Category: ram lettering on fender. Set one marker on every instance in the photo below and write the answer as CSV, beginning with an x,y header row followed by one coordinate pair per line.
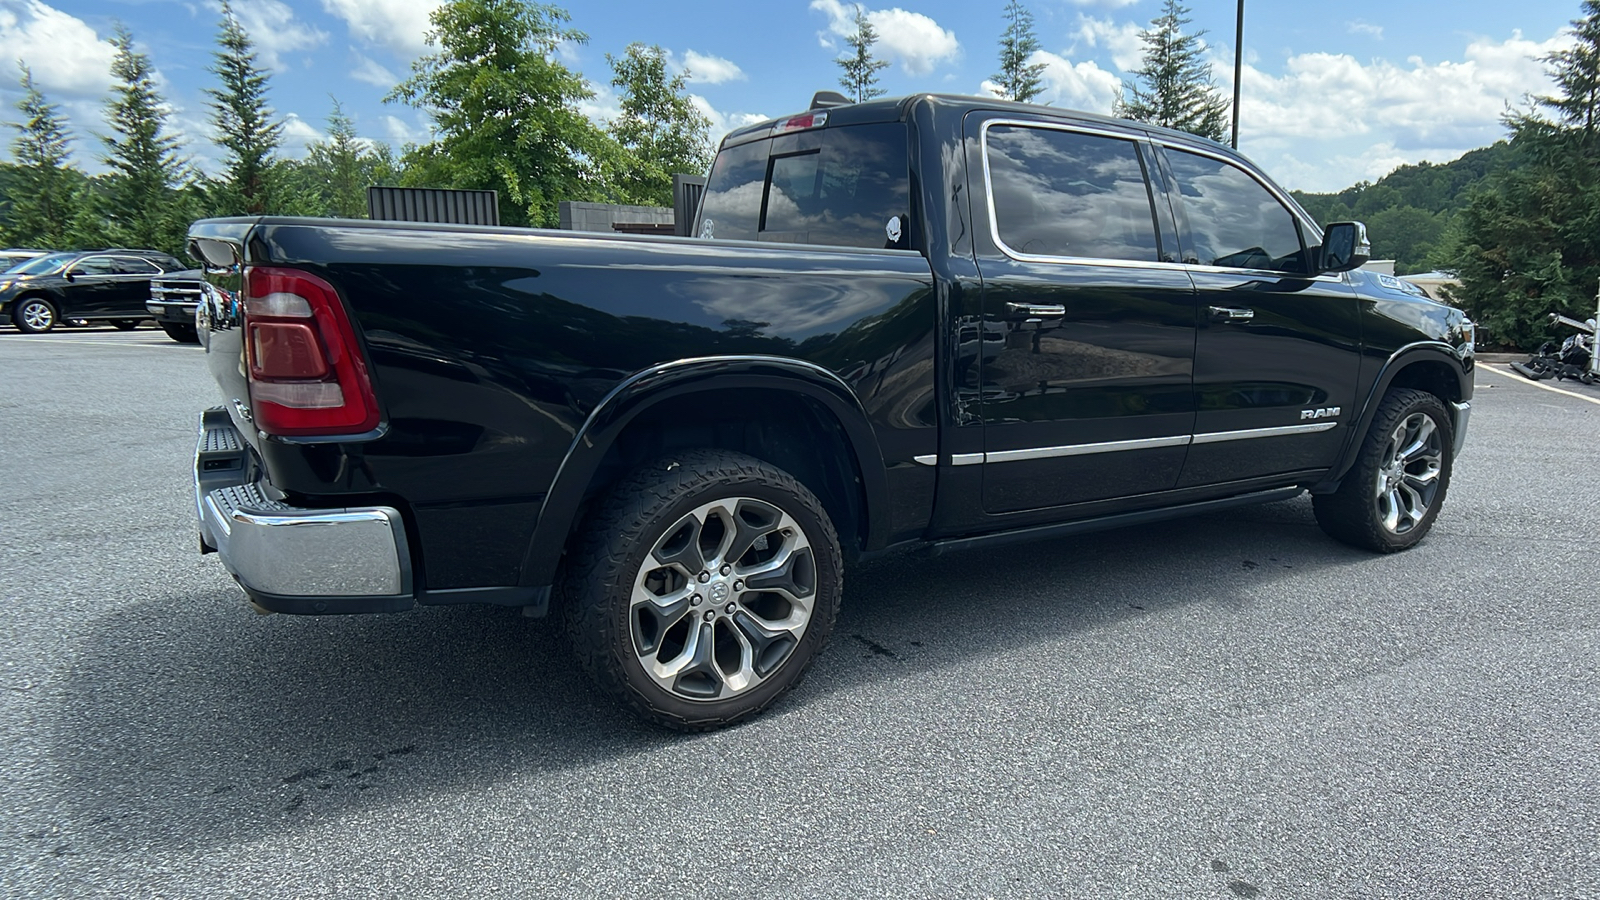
x,y
1327,412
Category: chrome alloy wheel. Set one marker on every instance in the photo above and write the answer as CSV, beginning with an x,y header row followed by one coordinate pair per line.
x,y
722,599
1408,480
37,315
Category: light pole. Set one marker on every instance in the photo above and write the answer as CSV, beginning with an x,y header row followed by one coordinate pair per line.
x,y
1238,69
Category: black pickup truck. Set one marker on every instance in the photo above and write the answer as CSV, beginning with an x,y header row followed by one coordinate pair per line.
x,y
940,322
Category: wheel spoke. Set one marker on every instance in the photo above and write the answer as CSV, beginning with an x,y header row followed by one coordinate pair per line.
x,y
1391,514
786,577
680,547
1421,442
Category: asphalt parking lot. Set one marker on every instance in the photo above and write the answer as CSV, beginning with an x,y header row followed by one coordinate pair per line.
x,y
1226,706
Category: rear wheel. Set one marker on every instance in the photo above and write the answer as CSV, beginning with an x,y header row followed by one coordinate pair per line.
x,y
1390,497
703,587
182,332
35,315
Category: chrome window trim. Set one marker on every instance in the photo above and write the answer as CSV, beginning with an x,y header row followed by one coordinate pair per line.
x,y
1307,226
1000,456
1217,437
1176,440
994,219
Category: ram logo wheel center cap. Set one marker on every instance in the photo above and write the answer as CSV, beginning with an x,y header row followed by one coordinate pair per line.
x,y
718,592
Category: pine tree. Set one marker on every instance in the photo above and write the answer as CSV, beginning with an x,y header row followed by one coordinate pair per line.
x,y
141,205
661,131
1576,72
42,202
860,76
1175,89
342,167
1018,79
244,123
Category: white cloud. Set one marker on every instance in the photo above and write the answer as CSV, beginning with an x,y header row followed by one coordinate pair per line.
x,y
400,25
401,133
1121,41
1367,118
708,69
65,54
1108,4
298,130
1360,27
721,122
368,71
912,39
273,27
1083,85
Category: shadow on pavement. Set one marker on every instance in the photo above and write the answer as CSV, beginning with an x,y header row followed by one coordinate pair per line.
x,y
189,722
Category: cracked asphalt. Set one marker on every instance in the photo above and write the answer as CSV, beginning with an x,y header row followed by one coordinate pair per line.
x,y
1231,705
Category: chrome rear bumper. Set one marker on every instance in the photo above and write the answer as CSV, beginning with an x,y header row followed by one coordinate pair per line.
x,y
288,558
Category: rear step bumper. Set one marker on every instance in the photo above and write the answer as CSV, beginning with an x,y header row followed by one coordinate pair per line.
x,y
288,558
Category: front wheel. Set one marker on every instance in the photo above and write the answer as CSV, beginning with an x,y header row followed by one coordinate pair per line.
x,y
34,315
1390,497
703,587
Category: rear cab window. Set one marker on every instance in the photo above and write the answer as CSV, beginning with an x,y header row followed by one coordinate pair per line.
x,y
843,185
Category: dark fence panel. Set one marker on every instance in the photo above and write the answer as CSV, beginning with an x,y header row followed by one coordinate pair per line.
x,y
452,207
686,193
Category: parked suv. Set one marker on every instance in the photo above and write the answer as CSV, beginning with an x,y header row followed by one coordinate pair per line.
x,y
89,285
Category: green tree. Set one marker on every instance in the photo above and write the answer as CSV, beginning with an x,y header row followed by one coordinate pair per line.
x,y
246,130
860,78
141,205
661,131
1174,87
337,171
46,186
1019,79
505,110
1528,243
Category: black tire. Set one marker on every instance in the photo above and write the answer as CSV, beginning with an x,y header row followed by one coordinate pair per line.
x,y
641,541
125,324
35,315
1390,497
182,332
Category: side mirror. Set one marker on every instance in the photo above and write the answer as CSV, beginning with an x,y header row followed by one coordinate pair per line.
x,y
70,276
1344,247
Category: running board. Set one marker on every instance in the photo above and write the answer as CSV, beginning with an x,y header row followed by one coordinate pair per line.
x,y
1526,372
1120,520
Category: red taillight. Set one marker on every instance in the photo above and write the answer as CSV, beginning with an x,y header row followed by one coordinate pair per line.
x,y
307,376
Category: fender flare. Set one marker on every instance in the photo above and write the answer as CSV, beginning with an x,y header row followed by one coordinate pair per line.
x,y
644,389
1432,351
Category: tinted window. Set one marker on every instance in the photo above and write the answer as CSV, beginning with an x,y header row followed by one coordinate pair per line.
x,y
44,265
1234,221
731,206
94,265
1058,193
843,194
842,191
127,265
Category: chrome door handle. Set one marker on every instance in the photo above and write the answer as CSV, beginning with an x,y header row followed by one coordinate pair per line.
x,y
1036,309
1232,314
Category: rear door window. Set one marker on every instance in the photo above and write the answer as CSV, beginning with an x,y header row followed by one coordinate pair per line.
x,y
1065,194
848,187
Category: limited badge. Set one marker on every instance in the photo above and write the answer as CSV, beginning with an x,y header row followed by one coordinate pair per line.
x,y
893,229
708,228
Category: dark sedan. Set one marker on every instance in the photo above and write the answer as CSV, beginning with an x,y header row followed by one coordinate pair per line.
x,y
89,285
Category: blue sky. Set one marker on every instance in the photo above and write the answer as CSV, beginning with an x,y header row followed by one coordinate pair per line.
x,y
1333,94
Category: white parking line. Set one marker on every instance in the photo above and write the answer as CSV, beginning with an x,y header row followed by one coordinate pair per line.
x,y
1538,384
